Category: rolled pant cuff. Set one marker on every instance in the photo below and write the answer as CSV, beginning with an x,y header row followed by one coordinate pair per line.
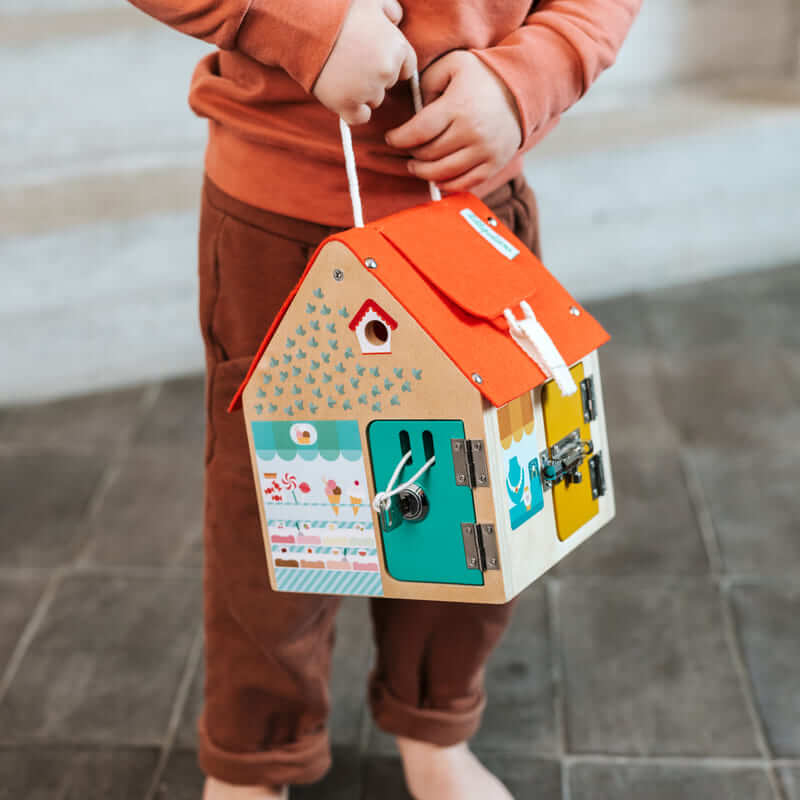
x,y
443,727
304,761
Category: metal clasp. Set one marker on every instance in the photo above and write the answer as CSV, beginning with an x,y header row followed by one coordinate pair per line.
x,y
564,459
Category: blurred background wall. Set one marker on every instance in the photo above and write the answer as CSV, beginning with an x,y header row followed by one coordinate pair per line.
x,y
682,163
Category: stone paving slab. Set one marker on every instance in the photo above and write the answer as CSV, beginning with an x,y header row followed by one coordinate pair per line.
x,y
176,416
181,779
648,671
95,422
353,656
343,781
754,505
186,736
655,531
106,662
152,510
791,782
75,774
519,718
19,596
667,782
758,308
733,396
526,777
768,617
624,318
44,498
632,398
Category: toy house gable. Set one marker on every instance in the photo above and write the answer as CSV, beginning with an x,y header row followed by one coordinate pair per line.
x,y
373,328
323,421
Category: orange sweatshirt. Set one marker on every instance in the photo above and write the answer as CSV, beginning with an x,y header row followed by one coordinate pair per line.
x,y
273,145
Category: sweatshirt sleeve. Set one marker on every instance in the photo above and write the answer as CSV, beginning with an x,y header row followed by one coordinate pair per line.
x,y
551,61
297,35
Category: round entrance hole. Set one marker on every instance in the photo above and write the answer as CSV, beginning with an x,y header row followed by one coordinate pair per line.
x,y
376,332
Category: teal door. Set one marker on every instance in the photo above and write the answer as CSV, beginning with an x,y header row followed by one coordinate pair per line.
x,y
430,550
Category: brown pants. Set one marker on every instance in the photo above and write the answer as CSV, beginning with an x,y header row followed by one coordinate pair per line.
x,y
268,653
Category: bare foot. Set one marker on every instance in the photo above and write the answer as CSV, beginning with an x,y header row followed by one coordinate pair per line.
x,y
447,773
217,790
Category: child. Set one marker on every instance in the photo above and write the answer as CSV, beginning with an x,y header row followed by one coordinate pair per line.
x,y
495,78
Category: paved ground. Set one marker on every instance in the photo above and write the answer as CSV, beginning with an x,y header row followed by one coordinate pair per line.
x,y
660,661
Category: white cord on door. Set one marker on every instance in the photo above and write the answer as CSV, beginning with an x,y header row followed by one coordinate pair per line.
x,y
382,499
350,159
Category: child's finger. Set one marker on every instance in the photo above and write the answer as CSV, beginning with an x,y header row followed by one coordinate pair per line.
x,y
357,115
469,180
377,100
421,128
435,79
409,66
451,139
393,10
448,168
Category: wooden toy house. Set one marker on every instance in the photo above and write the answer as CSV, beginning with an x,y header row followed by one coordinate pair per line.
x,y
431,345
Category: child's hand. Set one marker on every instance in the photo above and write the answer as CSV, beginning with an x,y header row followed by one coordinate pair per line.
x,y
470,130
369,57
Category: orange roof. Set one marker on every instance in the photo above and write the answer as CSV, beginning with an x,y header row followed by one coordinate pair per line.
x,y
455,274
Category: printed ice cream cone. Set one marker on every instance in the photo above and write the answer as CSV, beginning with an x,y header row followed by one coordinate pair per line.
x,y
356,494
334,494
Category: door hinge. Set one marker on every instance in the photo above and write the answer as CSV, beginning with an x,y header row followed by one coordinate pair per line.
x,y
469,462
597,475
588,398
480,546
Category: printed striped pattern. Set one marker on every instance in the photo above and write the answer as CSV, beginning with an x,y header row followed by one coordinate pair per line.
x,y
329,581
269,502
368,526
303,548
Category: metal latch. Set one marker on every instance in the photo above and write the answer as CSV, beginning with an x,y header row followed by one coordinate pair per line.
x,y
480,546
564,459
469,462
588,398
597,475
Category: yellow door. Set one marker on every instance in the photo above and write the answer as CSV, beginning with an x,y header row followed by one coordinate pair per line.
x,y
573,502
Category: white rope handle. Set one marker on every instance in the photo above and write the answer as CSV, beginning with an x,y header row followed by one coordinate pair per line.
x,y
382,499
416,93
350,159
536,343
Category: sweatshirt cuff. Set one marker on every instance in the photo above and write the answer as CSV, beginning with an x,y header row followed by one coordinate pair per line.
x,y
543,73
297,36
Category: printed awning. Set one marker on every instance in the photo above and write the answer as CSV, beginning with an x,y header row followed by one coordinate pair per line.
x,y
515,419
328,439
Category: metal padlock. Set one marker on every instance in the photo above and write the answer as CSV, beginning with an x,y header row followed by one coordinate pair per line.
x,y
414,504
